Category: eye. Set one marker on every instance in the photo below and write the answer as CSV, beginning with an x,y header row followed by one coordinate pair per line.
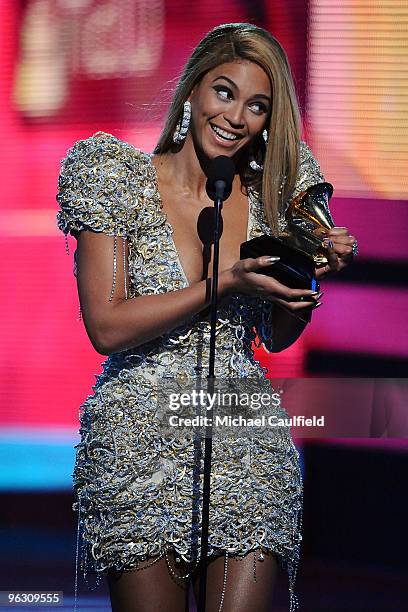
x,y
223,92
258,108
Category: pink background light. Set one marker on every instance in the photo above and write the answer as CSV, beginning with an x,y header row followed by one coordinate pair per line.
x,y
48,364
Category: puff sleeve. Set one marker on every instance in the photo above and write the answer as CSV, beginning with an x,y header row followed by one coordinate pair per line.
x,y
95,190
309,174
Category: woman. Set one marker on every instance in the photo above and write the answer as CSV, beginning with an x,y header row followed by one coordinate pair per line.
x,y
136,490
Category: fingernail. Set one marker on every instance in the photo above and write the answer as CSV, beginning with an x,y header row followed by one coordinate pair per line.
x,y
318,304
272,259
315,293
319,295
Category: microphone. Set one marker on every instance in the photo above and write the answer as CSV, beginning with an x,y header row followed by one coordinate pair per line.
x,y
220,173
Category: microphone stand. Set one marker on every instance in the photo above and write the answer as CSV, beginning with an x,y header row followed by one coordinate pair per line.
x,y
210,389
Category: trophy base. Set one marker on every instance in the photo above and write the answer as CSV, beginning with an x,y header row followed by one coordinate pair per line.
x,y
294,269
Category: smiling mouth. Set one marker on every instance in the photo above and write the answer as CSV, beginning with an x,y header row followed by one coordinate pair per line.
x,y
224,134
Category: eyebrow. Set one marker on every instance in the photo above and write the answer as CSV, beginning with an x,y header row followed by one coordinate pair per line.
x,y
259,95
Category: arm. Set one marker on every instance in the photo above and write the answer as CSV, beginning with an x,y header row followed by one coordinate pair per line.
x,y
124,323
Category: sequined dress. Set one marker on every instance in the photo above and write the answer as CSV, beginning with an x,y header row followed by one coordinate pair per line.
x,y
134,487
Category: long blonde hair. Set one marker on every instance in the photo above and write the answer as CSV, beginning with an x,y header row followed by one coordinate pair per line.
x,y
243,41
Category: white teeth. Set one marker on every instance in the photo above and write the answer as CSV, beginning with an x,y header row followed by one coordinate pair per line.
x,y
223,133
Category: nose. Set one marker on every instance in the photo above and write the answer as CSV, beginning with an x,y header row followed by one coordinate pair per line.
x,y
234,116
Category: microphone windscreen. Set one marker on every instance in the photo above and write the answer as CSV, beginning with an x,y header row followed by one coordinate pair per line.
x,y
221,168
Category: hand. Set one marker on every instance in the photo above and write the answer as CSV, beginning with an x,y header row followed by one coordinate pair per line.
x,y
339,254
246,277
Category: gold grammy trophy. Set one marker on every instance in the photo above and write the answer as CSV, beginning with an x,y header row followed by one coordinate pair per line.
x,y
308,218
300,245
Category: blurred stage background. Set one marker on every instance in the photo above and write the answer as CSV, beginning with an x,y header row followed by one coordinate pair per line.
x,y
69,68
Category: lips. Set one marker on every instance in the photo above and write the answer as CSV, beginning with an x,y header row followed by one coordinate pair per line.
x,y
223,137
224,133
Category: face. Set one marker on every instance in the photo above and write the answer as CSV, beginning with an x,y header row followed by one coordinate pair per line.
x,y
230,107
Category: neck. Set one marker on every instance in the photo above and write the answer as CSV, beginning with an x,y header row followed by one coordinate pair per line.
x,y
186,167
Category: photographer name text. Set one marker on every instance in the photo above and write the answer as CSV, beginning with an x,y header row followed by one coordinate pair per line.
x,y
241,421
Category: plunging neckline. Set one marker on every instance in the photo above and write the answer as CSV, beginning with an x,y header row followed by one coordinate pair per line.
x,y
170,228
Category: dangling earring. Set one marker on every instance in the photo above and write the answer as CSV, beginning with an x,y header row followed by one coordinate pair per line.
x,y
265,137
253,163
183,125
